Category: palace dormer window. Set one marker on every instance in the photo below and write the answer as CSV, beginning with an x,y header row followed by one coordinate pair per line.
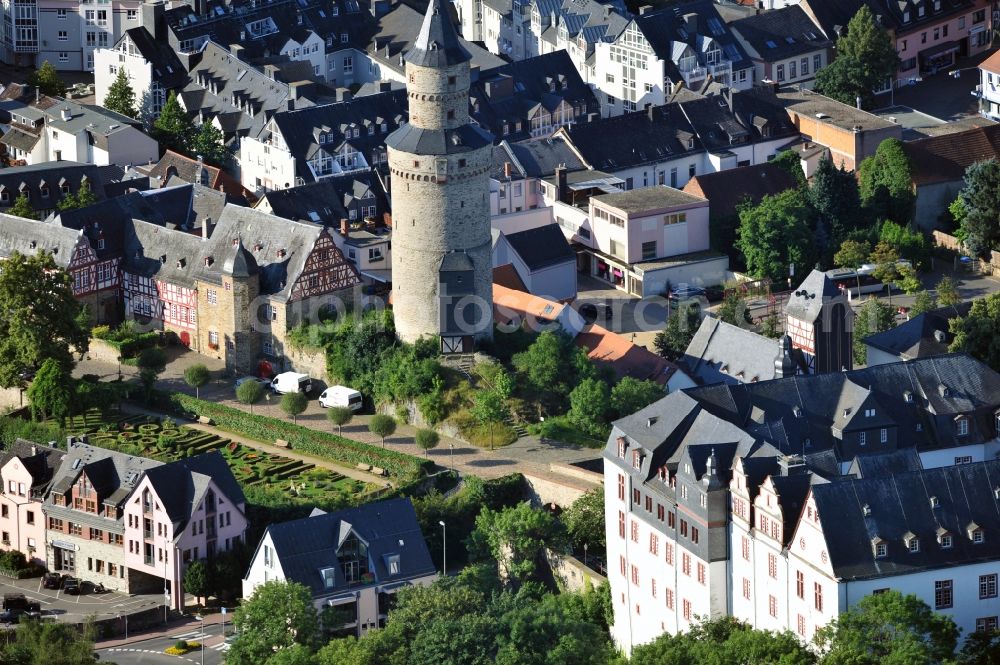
x,y
636,459
912,542
879,548
622,445
976,534
962,426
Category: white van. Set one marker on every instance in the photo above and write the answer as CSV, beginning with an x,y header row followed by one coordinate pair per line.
x,y
291,382
340,396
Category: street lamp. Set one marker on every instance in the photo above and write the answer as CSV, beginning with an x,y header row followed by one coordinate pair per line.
x,y
202,620
444,548
452,447
585,554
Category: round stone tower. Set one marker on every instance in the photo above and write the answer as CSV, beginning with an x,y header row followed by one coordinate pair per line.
x,y
442,277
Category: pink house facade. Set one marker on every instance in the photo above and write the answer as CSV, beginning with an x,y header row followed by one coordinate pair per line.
x,y
162,534
25,473
930,37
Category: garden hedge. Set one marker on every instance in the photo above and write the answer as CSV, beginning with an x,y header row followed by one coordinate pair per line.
x,y
303,439
131,347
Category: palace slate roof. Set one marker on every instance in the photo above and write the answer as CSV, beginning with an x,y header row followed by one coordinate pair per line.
x,y
167,68
40,461
29,237
781,33
536,158
55,175
437,44
806,301
924,335
723,353
390,529
329,200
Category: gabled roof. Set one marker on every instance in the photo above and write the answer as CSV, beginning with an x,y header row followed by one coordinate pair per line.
x,y
113,474
175,166
624,357
167,68
945,158
899,508
924,335
541,247
40,461
781,33
307,546
723,353
30,237
326,201
182,485
728,188
807,300
57,174
507,277
535,159
437,44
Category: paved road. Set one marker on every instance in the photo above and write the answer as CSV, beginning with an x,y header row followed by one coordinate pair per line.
x,y
80,608
151,651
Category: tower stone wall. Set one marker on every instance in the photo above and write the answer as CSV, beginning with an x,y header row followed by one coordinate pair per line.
x,y
439,168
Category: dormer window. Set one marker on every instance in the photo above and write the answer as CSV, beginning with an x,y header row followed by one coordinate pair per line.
x,y
963,426
879,548
908,396
976,534
866,510
912,542
920,10
944,538
935,503
869,413
622,445
797,411
636,459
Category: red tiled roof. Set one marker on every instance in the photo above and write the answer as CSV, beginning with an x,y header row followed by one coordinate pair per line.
x,y
992,63
727,189
624,357
945,158
507,277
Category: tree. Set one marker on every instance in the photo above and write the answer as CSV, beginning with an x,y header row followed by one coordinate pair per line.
x,y
22,208
976,333
584,520
427,439
734,310
121,96
908,280
151,363
672,341
51,392
196,376
488,409
982,647
294,404
41,318
630,394
888,628
723,641
196,579
84,197
980,201
382,426
339,416
277,616
947,292
790,161
589,407
852,254
866,59
47,80
516,538
873,317
776,234
249,393
886,184
553,630
209,143
770,326
886,260
544,364
924,302
49,643
173,128
834,196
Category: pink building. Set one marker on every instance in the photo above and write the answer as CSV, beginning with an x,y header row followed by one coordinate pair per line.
x,y
182,512
931,35
26,471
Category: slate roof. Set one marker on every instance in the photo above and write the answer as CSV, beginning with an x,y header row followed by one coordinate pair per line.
x,y
397,33
29,237
173,165
306,546
541,247
327,201
40,461
723,353
830,15
806,301
919,337
183,484
511,93
535,159
419,141
167,68
945,158
726,189
113,474
886,464
781,33
301,129
437,44
55,175
590,20
855,512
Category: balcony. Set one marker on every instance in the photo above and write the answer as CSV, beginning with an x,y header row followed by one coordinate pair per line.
x,y
147,534
148,560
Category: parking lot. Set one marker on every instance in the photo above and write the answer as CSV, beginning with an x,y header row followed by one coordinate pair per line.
x,y
62,607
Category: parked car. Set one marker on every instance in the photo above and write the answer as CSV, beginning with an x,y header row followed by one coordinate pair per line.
x,y
291,382
11,616
71,586
52,580
18,601
264,383
340,396
685,291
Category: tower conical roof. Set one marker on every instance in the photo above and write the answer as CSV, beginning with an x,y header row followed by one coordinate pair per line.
x,y
437,43
241,263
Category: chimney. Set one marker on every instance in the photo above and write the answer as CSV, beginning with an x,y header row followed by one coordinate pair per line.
x,y
200,170
236,50
651,112
152,19
592,117
506,170
205,230
561,191
344,95
291,104
644,9
791,465
691,23
345,228
67,115
34,450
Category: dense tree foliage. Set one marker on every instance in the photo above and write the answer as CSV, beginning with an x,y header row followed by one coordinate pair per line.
x,y
588,407
83,197
886,184
776,234
866,60
46,78
48,643
947,292
197,376
249,393
516,538
552,366
630,394
979,202
173,129
672,341
121,96
852,254
382,426
584,520
874,316
976,333
278,616
42,320
209,143
293,404
723,641
835,197
51,392
339,416
22,208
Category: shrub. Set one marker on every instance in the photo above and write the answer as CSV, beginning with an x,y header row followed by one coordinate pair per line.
x,y
303,439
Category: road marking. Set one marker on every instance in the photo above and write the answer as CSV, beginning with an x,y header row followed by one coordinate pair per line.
x,y
190,635
221,647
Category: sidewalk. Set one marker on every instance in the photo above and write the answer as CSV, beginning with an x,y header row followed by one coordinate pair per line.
x,y
184,622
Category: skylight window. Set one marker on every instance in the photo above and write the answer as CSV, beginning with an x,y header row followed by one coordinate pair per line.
x,y
771,44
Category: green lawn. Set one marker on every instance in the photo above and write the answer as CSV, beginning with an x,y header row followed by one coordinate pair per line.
x,y
167,442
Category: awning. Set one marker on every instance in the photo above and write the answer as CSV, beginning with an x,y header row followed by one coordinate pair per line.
x,y
384,276
387,588
943,48
62,544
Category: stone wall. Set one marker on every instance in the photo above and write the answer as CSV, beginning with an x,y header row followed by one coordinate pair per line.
x,y
554,490
308,361
571,573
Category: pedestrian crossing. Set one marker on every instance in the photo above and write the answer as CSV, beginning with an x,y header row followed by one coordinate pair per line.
x,y
200,636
